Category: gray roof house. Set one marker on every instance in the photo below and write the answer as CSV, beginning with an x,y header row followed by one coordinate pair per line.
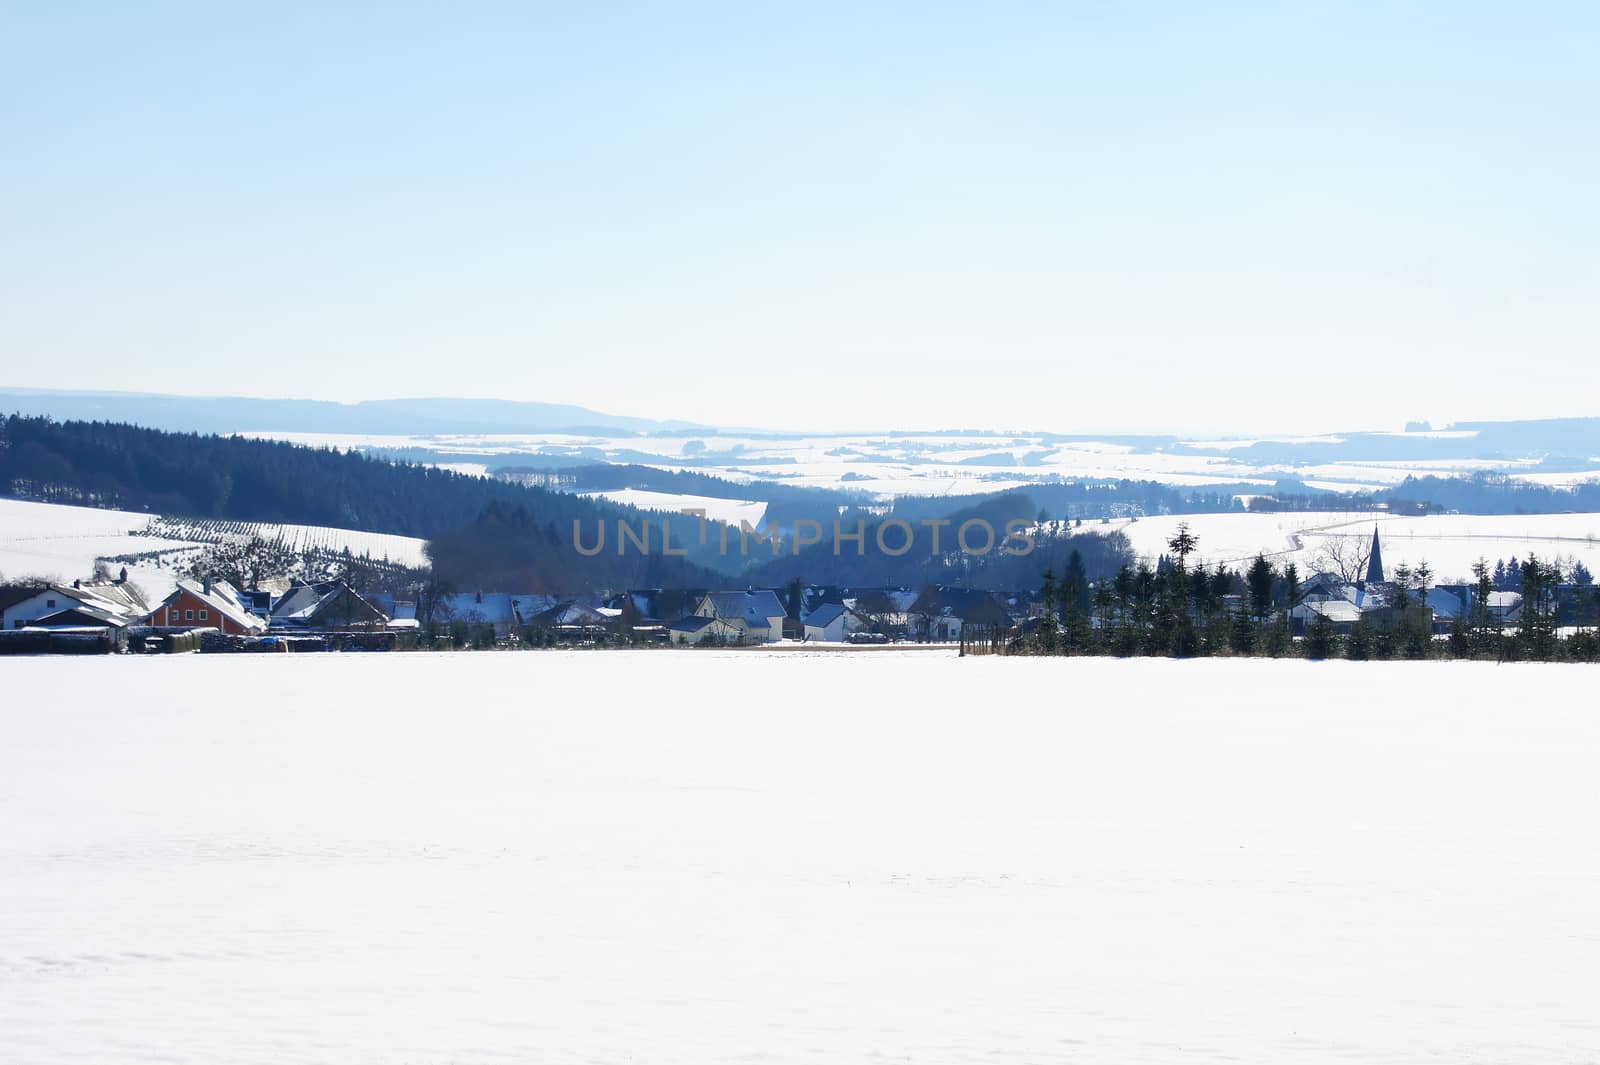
x,y
757,614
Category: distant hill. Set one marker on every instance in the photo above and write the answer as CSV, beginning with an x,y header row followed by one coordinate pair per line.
x,y
190,414
239,478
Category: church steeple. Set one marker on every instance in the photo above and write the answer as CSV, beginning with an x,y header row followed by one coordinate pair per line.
x,y
1375,561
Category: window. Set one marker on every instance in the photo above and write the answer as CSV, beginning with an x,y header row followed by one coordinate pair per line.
x,y
173,615
188,615
49,604
202,615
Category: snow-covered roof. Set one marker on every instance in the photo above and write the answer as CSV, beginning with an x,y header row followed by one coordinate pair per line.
x,y
301,604
222,597
527,606
1336,611
746,606
495,608
825,615
74,616
1444,603
573,613
121,598
111,603
298,602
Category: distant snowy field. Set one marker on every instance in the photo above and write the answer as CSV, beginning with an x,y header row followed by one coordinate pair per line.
x,y
63,543
739,857
732,511
1448,543
936,464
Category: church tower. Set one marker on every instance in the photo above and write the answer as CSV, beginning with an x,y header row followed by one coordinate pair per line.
x,y
1375,561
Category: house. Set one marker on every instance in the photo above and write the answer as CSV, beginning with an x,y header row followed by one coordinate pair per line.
x,y
576,616
939,613
1449,603
207,605
1322,586
101,603
1505,608
326,606
697,629
1342,614
527,607
496,609
832,622
757,614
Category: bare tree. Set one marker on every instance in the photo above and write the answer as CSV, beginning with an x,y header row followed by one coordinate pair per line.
x,y
1345,556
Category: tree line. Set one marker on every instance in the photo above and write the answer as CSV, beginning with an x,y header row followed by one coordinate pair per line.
x,y
1178,610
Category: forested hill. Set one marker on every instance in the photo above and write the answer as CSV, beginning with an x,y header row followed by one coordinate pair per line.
x,y
132,468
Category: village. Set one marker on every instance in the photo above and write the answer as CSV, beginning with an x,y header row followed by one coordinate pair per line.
x,y
111,614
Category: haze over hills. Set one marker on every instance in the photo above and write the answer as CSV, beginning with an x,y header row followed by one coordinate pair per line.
x,y
234,414
444,431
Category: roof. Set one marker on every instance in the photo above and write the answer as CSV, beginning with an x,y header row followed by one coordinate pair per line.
x,y
109,602
10,597
297,602
972,604
120,594
825,615
746,606
1337,611
222,597
572,613
1444,603
301,604
495,608
692,623
80,615
527,606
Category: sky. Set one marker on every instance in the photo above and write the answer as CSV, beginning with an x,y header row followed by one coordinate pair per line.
x,y
1071,217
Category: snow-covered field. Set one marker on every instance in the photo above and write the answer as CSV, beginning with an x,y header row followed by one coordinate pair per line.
x,y
740,857
887,465
63,543
1448,543
732,511
45,540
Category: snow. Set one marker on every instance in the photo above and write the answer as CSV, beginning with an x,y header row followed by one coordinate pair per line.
x,y
713,858
50,541
731,511
1449,543
889,465
402,550
64,542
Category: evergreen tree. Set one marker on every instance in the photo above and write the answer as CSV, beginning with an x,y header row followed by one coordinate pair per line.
x,y
1260,579
1183,543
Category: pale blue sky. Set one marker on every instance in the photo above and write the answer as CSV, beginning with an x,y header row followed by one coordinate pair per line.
x,y
1056,216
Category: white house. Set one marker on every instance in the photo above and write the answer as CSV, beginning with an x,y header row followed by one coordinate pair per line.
x,y
1505,608
479,608
695,629
108,603
1340,613
758,615
832,622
